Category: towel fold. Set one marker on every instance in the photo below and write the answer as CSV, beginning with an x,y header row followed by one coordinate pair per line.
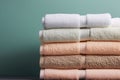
x,y
80,62
76,35
52,21
74,74
94,48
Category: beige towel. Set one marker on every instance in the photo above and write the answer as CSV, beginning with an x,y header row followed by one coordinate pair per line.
x,y
63,62
80,62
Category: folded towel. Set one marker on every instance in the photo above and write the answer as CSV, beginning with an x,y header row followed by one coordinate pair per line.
x,y
102,74
54,74
115,22
51,21
74,74
64,35
105,34
76,35
61,21
60,49
60,35
63,62
98,20
97,48
80,62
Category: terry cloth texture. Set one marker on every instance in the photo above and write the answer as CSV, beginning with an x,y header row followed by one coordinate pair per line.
x,y
105,34
54,74
60,35
76,35
80,62
102,62
94,48
74,74
101,48
60,49
62,62
103,74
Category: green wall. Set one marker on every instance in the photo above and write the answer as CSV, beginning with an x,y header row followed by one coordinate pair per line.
x,y
20,22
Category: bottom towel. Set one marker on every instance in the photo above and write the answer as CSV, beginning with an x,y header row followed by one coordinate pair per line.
x,y
90,74
80,62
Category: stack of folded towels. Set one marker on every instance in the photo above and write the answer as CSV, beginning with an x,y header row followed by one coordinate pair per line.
x,y
78,46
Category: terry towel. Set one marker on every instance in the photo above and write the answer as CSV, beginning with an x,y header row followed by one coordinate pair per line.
x,y
105,34
51,21
63,35
80,62
115,22
76,35
96,48
54,74
62,62
74,74
102,74
60,35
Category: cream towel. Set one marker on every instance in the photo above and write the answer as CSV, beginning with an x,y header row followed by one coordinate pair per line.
x,y
76,35
105,34
60,35
64,35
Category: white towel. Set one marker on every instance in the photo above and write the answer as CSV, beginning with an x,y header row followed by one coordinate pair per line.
x,y
61,21
54,21
115,22
98,20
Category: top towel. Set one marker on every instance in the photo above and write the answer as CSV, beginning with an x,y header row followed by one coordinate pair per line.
x,y
51,21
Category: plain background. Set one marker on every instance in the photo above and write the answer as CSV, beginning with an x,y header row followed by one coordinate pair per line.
x,y
20,22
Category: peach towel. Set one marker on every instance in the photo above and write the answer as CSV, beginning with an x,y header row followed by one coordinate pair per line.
x,y
74,74
103,74
105,48
80,62
54,74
